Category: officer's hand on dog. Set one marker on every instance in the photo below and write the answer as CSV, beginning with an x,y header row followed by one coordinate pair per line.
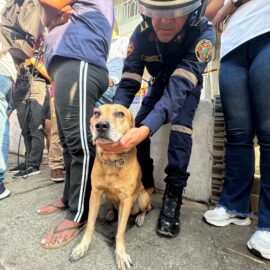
x,y
130,140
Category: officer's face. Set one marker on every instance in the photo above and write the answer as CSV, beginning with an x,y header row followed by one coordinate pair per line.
x,y
166,29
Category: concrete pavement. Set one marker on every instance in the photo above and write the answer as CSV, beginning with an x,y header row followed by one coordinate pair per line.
x,y
198,247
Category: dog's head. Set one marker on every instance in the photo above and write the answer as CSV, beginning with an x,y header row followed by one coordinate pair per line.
x,y
110,123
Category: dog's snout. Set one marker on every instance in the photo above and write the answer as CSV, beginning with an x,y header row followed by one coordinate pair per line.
x,y
102,126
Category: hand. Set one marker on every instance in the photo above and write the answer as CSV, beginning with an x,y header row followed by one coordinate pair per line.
x,y
222,14
27,62
111,83
57,4
129,141
62,18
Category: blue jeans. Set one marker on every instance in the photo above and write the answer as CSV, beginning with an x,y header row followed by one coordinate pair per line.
x,y
245,96
5,87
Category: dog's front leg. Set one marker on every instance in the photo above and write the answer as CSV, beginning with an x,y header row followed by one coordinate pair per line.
x,y
123,260
80,250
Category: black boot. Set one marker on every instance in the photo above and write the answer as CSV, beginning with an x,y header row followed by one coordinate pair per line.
x,y
169,218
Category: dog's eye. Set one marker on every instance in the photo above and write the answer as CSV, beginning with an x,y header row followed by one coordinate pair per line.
x,y
119,114
96,114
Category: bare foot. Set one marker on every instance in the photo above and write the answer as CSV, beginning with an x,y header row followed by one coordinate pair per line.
x,y
64,232
56,206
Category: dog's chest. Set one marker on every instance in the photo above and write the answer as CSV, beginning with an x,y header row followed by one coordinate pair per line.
x,y
116,188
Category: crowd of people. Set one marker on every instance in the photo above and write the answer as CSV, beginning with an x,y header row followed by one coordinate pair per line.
x,y
87,68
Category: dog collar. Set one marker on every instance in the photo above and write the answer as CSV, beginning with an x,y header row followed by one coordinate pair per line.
x,y
117,162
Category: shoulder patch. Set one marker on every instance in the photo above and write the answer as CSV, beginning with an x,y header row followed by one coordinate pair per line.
x,y
130,48
203,50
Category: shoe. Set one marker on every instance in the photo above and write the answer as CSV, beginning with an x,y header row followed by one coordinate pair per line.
x,y
57,175
220,218
169,218
27,172
3,191
20,167
259,244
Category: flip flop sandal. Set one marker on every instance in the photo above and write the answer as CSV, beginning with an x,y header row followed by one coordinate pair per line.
x,y
55,207
65,242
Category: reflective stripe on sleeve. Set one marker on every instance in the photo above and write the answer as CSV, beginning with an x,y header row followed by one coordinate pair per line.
x,y
133,76
182,129
187,74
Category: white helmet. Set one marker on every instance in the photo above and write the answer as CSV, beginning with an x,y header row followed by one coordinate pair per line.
x,y
169,8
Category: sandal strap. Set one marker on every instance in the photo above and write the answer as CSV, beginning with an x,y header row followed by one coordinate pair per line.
x,y
57,206
56,230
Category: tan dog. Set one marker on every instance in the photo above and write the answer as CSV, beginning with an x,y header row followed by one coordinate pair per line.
x,y
117,176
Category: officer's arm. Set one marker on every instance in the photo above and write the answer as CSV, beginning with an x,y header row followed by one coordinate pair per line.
x,y
186,79
132,74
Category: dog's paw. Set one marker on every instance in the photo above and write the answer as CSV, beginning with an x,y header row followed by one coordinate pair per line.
x,y
78,252
123,260
140,219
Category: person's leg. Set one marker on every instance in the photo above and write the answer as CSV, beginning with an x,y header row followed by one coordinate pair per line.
x,y
5,87
260,99
35,112
48,123
22,109
61,203
259,80
37,121
179,151
239,159
20,96
56,160
4,144
234,204
74,107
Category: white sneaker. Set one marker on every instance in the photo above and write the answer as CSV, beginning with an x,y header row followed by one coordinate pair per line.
x,y
259,243
220,218
5,193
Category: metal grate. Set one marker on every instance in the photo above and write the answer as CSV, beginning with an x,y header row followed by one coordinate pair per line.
x,y
126,11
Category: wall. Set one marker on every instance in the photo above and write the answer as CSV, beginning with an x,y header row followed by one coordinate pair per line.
x,y
200,166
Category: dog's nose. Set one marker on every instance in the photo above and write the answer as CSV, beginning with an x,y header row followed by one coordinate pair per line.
x,y
102,126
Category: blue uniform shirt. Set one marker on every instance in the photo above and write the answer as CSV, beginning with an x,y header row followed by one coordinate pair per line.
x,y
86,36
183,60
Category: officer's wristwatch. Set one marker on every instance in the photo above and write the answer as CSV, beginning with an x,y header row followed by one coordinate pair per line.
x,y
237,3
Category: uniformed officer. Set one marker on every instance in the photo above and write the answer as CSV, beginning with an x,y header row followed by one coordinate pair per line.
x,y
174,42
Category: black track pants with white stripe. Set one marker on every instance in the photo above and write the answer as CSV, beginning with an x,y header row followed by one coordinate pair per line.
x,y
77,86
